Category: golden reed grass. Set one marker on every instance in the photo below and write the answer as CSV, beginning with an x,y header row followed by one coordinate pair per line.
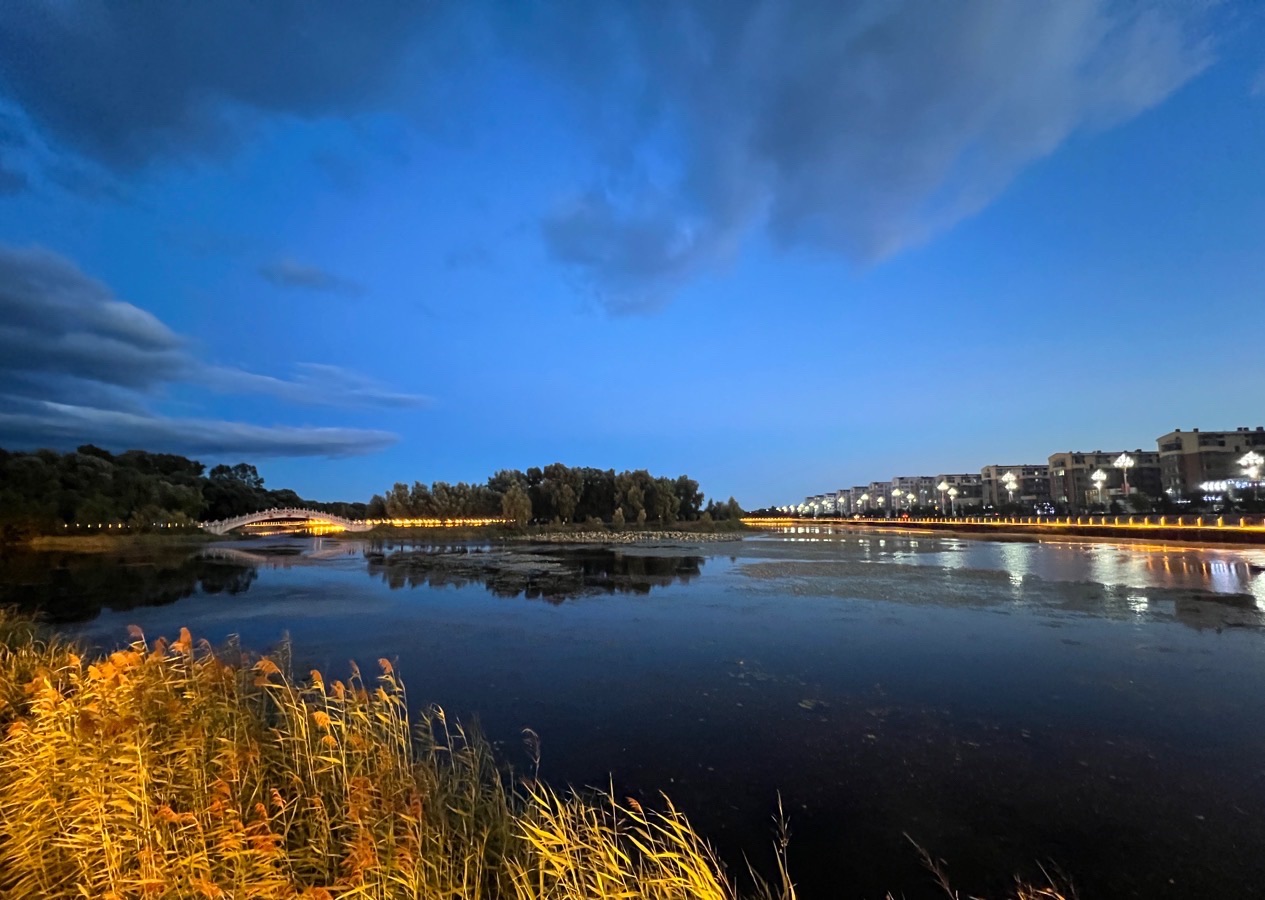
x,y
169,770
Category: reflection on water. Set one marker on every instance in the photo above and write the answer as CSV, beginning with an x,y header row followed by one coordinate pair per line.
x,y
73,587
69,587
553,575
1003,703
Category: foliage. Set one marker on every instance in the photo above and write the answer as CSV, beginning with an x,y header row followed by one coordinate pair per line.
x,y
42,491
556,492
169,770
516,505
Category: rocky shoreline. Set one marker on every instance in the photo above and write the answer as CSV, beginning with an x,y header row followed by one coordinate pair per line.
x,y
634,537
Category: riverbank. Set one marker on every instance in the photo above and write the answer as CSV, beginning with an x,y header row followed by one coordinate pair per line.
x,y
115,543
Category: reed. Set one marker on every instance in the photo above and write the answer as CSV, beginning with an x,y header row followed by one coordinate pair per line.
x,y
172,770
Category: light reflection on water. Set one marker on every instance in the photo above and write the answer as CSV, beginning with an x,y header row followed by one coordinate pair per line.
x,y
1221,570
1004,702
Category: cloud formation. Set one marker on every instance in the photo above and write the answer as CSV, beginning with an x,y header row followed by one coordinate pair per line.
x,y
78,364
291,274
127,83
59,425
863,129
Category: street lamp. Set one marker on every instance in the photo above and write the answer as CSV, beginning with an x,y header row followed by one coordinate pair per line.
x,y
1124,462
953,496
1251,463
942,487
897,493
1010,481
1099,478
865,502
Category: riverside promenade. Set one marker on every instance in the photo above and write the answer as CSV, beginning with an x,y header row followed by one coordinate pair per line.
x,y
1248,530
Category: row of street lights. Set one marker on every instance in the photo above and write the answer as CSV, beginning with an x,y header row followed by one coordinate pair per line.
x,y
1252,464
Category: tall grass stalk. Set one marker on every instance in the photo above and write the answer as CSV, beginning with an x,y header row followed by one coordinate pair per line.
x,y
171,770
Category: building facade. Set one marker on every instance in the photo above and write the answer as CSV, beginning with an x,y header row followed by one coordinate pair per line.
x,y
1072,483
1189,458
970,493
880,497
915,491
1032,485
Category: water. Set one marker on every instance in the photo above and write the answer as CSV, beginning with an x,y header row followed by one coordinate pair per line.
x,y
1096,708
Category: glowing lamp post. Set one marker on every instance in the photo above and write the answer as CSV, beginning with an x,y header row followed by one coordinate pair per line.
x,y
865,502
1099,478
953,506
942,487
1252,463
1124,462
1010,481
897,493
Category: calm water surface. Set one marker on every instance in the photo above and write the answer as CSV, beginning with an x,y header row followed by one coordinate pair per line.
x,y
1096,708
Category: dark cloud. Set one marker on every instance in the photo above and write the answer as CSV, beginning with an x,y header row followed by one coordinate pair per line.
x,y
127,83
78,364
291,274
55,320
860,128
62,426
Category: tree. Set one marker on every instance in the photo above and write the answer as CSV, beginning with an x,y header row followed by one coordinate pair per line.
x,y
566,503
242,473
516,505
664,501
689,498
398,504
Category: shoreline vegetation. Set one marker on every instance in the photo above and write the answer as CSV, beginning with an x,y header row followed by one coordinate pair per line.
x,y
170,769
92,491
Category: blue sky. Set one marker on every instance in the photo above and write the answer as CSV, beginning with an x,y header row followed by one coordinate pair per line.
x,y
782,248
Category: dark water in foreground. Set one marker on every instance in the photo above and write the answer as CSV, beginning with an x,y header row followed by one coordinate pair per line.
x,y
1096,708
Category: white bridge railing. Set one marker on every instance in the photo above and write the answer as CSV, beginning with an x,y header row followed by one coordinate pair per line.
x,y
224,526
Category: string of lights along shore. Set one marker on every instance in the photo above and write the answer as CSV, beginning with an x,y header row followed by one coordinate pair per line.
x,y
1188,471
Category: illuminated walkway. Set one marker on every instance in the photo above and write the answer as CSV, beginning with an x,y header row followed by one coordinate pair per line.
x,y
1209,529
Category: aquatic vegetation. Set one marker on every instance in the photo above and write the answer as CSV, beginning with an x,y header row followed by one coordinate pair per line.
x,y
174,770
169,769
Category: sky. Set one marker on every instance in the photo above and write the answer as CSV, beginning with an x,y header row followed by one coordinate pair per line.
x,y
780,247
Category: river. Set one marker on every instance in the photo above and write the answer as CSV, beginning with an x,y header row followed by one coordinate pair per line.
x,y
1095,708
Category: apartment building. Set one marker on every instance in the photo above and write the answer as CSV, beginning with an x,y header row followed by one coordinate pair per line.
x,y
1073,487
1189,458
880,495
915,490
970,492
1032,485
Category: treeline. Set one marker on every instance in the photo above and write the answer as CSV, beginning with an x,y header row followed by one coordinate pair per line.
x,y
558,493
44,490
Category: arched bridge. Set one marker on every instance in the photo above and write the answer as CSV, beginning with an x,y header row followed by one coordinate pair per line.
x,y
287,514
